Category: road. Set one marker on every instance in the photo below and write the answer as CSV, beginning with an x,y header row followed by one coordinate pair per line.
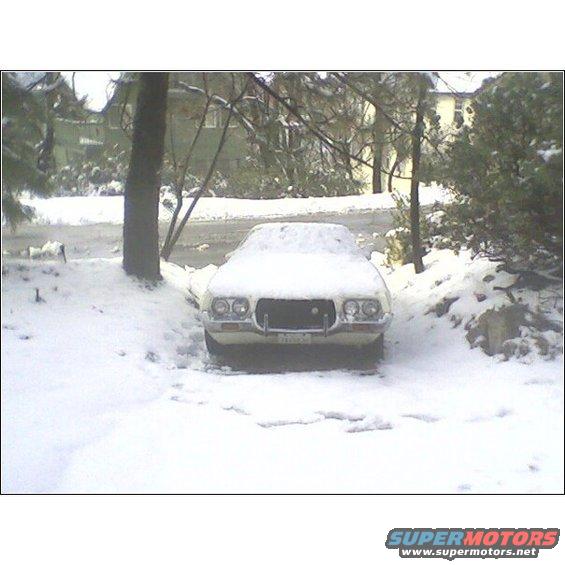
x,y
201,242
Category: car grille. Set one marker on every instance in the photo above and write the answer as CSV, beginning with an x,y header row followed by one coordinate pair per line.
x,y
295,314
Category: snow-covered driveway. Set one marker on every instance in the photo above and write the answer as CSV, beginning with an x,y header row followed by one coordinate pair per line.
x,y
106,387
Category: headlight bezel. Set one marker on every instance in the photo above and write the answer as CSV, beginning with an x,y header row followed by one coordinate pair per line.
x,y
231,312
373,305
240,301
356,307
216,302
362,312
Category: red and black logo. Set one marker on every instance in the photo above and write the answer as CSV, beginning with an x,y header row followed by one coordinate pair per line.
x,y
450,543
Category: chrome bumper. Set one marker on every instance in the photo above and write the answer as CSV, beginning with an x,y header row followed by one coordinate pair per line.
x,y
339,327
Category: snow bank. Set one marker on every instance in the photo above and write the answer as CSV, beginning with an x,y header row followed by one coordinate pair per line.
x,y
461,288
77,210
199,279
106,387
99,343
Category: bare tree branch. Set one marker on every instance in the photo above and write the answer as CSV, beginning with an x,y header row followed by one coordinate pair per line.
x,y
166,251
180,180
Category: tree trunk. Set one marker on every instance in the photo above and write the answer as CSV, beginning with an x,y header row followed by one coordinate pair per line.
x,y
141,201
377,152
415,181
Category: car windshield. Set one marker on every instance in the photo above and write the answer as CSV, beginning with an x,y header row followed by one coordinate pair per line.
x,y
299,238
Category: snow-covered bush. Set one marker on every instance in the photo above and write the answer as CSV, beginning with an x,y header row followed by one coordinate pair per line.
x,y
104,176
505,172
398,240
253,181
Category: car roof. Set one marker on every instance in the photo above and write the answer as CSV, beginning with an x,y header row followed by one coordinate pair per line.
x,y
299,237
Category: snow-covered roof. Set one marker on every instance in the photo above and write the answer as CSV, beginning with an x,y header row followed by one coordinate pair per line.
x,y
462,82
298,237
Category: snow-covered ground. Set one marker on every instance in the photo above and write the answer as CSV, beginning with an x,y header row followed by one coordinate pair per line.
x,y
78,210
106,387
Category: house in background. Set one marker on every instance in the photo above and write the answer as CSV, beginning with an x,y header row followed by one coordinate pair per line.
x,y
77,133
452,109
110,130
78,140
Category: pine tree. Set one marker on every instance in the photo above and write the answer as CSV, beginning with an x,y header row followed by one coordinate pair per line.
x,y
506,172
31,102
22,137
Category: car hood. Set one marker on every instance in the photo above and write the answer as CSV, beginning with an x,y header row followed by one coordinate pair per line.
x,y
296,276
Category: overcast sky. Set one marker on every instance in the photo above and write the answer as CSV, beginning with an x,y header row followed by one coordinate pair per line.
x,y
97,86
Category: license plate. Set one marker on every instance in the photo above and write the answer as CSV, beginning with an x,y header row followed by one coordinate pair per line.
x,y
294,338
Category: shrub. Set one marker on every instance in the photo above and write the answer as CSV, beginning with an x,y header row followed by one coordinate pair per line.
x,y
398,240
251,180
506,173
105,176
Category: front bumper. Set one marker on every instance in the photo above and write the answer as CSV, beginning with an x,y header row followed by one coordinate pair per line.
x,y
247,331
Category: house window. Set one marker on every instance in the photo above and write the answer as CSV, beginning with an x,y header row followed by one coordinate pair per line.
x,y
233,122
458,113
211,120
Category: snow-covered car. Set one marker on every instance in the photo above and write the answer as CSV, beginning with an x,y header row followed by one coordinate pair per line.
x,y
297,283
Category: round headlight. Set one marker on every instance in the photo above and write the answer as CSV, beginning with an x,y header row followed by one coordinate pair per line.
x,y
220,306
240,306
351,307
371,308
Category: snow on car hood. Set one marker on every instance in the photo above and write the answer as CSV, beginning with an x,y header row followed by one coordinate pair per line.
x,y
297,275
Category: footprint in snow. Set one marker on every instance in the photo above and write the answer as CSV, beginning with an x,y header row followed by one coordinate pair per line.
x,y
464,487
331,415
429,419
501,413
185,400
236,409
539,382
370,426
277,423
